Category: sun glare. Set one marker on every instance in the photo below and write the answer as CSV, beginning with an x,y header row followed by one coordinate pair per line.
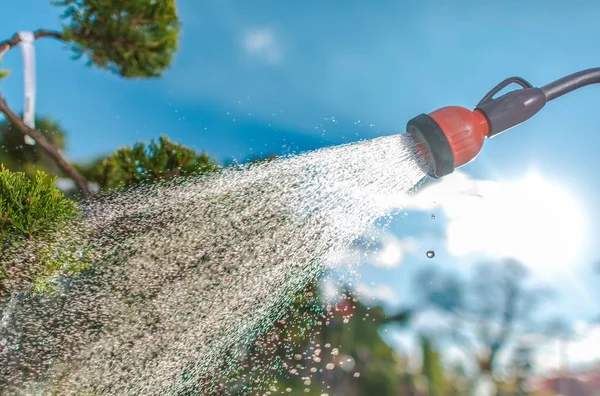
x,y
532,220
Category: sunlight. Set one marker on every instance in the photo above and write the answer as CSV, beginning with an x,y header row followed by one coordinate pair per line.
x,y
532,220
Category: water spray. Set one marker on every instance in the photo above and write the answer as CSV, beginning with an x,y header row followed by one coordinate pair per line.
x,y
186,274
452,136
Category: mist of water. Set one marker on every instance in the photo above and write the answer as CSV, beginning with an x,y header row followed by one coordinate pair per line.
x,y
187,273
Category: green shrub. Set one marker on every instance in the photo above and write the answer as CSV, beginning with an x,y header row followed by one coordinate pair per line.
x,y
30,207
142,163
40,232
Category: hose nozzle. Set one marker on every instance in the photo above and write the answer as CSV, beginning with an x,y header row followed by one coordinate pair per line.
x,y
453,136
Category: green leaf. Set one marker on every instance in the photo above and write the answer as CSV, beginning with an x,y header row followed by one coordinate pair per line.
x,y
4,73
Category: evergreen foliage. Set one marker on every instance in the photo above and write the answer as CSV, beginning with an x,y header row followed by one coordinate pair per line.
x,y
159,160
29,207
33,214
133,38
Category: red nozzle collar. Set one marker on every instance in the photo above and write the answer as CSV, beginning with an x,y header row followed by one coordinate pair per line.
x,y
464,129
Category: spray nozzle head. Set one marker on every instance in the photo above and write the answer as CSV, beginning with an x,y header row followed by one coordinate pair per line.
x,y
447,138
453,136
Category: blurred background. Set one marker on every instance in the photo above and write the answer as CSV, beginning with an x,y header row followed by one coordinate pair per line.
x,y
488,281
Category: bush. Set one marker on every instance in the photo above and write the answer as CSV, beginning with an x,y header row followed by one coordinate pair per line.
x,y
38,232
30,207
139,164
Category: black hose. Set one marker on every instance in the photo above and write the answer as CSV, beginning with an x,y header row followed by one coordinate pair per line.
x,y
570,83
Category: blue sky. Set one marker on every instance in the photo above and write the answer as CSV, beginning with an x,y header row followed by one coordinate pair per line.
x,y
262,77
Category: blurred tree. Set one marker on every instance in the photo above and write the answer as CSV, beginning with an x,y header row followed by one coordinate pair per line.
x,y
432,367
141,163
524,366
378,364
338,347
20,157
459,382
408,387
486,311
133,39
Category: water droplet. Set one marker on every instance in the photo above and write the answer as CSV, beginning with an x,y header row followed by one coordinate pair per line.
x,y
430,254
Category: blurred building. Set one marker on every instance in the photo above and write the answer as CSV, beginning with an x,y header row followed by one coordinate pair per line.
x,y
575,383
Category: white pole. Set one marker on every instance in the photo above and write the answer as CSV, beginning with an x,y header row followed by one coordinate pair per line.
x,y
27,39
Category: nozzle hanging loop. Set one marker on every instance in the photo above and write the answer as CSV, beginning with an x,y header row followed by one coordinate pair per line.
x,y
516,80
